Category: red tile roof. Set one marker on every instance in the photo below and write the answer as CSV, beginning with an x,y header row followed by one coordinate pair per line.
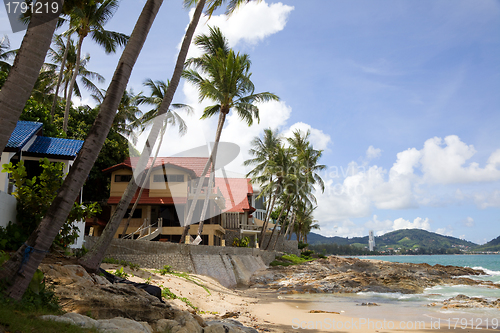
x,y
193,164
236,192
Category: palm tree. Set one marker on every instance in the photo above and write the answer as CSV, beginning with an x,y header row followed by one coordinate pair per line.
x,y
29,256
24,72
222,76
90,20
66,53
158,89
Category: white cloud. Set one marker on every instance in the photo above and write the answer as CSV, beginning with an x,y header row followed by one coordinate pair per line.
x,y
318,138
444,162
469,222
372,153
249,24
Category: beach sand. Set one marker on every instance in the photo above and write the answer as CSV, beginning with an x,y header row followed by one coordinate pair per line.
x,y
268,311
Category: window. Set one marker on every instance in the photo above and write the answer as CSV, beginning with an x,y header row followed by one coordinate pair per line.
x,y
137,213
168,178
123,178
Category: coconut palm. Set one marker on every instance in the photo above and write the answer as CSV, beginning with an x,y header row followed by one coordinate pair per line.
x,y
90,20
222,76
64,54
24,72
29,256
158,89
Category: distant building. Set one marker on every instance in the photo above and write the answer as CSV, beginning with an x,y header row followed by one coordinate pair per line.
x,y
371,241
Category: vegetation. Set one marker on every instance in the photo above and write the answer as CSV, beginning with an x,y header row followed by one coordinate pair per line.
x,y
168,270
290,259
287,176
121,262
405,241
34,197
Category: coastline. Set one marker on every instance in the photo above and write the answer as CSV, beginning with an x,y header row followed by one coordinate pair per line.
x,y
267,310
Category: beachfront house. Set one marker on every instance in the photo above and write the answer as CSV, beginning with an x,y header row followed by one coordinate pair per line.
x,y
162,207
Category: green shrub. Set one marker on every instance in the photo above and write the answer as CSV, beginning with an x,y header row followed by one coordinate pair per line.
x,y
121,273
244,242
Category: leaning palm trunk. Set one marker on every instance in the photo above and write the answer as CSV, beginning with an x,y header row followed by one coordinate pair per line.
x,y
290,227
213,154
143,183
19,269
24,73
72,83
277,222
282,227
266,222
93,258
59,78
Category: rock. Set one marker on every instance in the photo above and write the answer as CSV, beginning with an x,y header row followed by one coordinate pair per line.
x,y
78,292
122,325
321,311
227,326
351,275
463,301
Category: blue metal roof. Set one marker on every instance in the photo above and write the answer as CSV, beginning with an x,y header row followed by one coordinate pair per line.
x,y
23,132
55,146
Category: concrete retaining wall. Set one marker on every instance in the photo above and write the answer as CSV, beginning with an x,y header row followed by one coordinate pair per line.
x,y
231,266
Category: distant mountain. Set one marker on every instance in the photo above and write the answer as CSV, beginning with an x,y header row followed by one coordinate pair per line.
x,y
492,245
399,239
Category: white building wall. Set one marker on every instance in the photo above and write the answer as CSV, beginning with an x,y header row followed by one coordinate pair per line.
x,y
7,209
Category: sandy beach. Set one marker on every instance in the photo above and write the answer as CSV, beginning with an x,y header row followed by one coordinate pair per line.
x,y
268,311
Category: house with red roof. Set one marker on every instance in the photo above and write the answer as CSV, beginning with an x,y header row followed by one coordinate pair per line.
x,y
162,207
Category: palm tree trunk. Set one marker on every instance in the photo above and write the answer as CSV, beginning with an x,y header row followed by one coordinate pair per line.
x,y
282,227
143,183
93,258
19,269
24,72
277,222
59,78
72,83
264,226
290,227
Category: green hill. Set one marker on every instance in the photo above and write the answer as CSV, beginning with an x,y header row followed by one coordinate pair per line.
x,y
400,239
492,245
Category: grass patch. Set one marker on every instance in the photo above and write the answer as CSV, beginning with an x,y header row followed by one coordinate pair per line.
x,y
121,262
290,259
168,294
168,270
21,317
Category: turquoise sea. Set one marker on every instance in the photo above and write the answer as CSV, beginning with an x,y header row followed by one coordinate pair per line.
x,y
413,307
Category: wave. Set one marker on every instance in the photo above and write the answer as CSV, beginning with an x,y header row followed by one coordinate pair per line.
x,y
487,271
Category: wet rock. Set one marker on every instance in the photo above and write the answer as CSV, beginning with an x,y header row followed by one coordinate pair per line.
x,y
351,275
463,301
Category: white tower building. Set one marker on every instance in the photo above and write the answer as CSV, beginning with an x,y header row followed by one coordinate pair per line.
x,y
371,240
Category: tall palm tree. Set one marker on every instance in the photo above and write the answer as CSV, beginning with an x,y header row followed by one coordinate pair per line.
x,y
24,72
222,76
90,20
64,54
158,89
29,256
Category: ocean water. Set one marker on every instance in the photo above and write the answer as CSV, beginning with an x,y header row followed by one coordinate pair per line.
x,y
413,307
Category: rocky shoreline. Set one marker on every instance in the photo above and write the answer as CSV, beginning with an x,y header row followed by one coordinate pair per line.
x,y
352,275
92,301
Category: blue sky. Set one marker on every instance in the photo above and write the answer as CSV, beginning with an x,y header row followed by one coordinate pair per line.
x,y
401,95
